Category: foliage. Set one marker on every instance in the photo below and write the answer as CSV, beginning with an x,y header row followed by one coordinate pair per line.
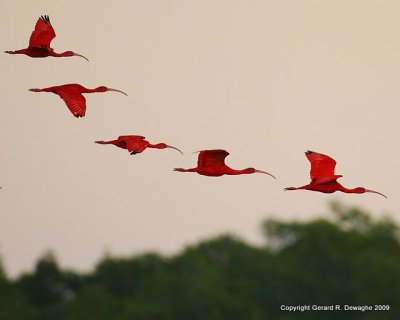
x,y
346,259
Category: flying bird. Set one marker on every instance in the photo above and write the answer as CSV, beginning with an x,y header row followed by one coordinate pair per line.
x,y
323,177
39,42
72,94
212,163
136,144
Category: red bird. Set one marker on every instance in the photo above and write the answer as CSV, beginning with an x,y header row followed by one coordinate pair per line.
x,y
212,163
136,144
73,97
323,177
39,42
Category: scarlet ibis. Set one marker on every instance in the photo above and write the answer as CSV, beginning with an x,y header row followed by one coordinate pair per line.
x,y
72,94
212,163
323,177
136,144
39,42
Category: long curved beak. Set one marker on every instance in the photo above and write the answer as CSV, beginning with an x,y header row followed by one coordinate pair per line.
x,y
174,148
110,89
79,55
260,171
372,191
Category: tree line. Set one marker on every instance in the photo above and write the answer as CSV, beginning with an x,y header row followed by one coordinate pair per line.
x,y
347,260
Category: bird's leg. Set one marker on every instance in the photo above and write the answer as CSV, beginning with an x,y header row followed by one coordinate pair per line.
x,y
294,188
20,51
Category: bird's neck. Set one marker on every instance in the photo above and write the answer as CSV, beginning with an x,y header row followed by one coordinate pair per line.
x,y
87,90
157,145
58,55
353,190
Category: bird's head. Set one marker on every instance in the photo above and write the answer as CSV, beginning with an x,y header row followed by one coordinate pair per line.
x,y
163,145
254,170
104,89
363,190
71,53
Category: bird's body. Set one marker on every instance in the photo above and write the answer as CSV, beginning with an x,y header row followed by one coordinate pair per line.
x,y
212,163
323,177
37,52
136,144
72,94
39,42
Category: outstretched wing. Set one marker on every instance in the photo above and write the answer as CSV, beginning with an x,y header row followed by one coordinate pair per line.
x,y
75,102
212,158
43,33
322,167
134,144
131,137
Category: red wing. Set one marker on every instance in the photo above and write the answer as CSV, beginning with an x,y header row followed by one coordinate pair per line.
x,y
322,167
43,33
75,101
131,137
135,144
212,157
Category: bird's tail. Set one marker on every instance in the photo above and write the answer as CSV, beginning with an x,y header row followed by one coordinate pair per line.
x,y
103,142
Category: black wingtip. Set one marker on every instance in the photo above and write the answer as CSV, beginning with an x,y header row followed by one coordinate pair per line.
x,y
309,151
45,18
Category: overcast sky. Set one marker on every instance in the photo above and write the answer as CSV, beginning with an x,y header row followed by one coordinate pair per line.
x,y
265,80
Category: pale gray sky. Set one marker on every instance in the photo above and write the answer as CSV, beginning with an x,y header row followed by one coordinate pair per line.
x,y
265,80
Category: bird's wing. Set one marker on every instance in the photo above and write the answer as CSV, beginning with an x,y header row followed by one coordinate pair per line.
x,y
135,144
43,33
322,167
75,101
131,137
212,157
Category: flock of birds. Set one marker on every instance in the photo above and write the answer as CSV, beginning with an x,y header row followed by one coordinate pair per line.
x,y
209,163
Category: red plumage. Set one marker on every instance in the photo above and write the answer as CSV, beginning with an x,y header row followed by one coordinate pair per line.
x,y
212,163
40,40
43,33
323,177
136,144
72,94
